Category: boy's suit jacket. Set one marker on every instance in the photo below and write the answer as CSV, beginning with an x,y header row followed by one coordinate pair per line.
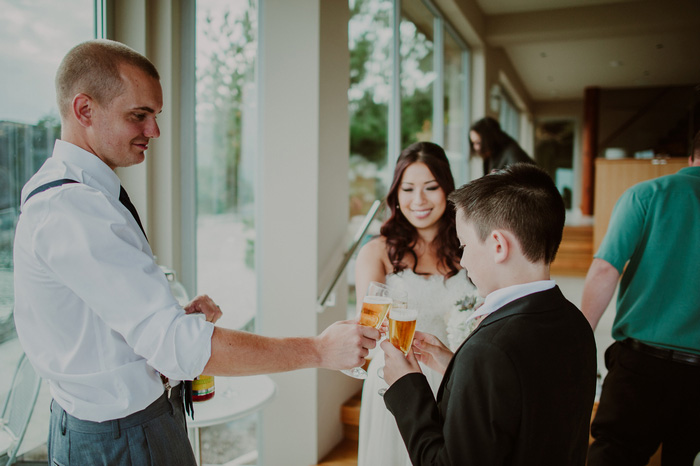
x,y
519,391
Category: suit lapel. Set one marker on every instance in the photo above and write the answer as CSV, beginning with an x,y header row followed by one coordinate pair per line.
x,y
533,303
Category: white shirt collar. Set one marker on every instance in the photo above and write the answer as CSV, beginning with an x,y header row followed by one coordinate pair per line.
x,y
91,170
499,298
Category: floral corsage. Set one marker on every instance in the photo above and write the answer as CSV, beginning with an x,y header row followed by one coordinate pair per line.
x,y
458,329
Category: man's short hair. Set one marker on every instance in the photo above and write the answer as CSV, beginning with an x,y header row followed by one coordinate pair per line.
x,y
695,152
93,68
521,199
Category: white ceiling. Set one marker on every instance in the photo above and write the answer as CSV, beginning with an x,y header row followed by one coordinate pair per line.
x,y
560,47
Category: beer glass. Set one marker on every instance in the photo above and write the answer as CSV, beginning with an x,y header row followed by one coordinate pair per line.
x,y
402,327
375,306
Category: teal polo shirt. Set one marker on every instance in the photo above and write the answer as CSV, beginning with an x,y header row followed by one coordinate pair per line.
x,y
655,230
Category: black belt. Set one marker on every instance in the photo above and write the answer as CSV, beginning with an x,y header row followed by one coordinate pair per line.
x,y
682,357
159,407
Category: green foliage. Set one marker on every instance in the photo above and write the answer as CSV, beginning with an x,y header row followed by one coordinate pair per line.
x,y
416,110
229,65
369,125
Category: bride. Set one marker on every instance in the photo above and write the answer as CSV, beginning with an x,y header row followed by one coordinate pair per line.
x,y
417,251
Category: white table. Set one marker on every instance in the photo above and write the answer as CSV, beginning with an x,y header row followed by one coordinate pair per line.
x,y
234,397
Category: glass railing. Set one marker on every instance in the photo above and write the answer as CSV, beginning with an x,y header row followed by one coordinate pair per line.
x,y
357,240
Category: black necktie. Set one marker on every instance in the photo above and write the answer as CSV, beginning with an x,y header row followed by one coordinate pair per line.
x,y
124,199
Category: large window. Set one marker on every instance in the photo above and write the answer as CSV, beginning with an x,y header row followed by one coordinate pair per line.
x,y
417,72
34,36
226,128
226,118
370,42
509,116
427,74
408,83
456,68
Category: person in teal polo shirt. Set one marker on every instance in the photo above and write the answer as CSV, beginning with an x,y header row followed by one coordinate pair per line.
x,y
651,394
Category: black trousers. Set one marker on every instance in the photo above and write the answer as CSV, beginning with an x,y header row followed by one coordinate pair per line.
x,y
646,401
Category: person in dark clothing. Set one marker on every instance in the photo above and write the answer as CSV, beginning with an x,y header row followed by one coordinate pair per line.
x,y
494,146
519,391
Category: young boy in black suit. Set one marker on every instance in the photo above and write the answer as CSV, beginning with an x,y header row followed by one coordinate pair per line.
x,y
520,389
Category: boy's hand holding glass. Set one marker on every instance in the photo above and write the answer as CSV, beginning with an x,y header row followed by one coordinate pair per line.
x,y
402,326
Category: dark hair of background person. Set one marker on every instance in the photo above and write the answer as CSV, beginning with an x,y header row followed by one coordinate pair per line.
x,y
93,68
521,199
400,234
493,139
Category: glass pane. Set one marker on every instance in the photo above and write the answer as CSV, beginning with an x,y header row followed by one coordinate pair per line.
x,y
36,36
554,152
370,39
509,117
226,119
417,72
455,111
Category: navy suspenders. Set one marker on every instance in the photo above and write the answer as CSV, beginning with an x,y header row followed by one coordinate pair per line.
x,y
49,185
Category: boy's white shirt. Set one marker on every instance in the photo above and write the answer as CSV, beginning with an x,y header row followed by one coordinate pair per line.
x,y
499,298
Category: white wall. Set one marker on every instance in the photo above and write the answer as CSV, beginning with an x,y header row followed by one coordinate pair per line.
x,y
303,205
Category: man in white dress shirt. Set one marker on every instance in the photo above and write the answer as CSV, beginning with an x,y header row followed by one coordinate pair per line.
x,y
93,310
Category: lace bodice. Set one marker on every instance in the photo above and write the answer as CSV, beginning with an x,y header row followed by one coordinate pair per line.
x,y
432,296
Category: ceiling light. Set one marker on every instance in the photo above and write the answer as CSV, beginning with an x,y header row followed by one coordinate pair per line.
x,y
616,63
543,54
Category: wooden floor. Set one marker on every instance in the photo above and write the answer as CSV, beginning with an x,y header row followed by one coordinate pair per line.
x,y
344,454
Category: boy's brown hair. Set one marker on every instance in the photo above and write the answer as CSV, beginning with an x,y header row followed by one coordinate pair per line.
x,y
521,199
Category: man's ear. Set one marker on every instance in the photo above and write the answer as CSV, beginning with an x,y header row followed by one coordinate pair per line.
x,y
501,244
83,109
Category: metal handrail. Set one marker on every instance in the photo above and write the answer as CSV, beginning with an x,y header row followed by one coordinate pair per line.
x,y
355,243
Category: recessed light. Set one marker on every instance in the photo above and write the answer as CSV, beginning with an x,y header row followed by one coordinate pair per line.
x,y
543,54
616,63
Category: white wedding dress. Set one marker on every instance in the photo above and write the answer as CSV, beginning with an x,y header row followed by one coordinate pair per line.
x,y
380,442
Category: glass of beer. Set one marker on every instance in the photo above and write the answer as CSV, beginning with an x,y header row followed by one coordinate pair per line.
x,y
402,327
375,306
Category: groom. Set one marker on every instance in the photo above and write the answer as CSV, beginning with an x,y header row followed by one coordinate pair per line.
x,y
520,390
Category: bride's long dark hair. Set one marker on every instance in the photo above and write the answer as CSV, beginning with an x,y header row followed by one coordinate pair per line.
x,y
401,236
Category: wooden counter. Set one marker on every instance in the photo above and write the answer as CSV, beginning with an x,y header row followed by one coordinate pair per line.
x,y
613,177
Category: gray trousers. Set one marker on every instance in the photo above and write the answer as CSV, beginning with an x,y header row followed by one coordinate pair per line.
x,y
156,435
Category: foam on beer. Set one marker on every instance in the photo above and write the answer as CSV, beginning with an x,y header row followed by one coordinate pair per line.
x,y
403,315
377,300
